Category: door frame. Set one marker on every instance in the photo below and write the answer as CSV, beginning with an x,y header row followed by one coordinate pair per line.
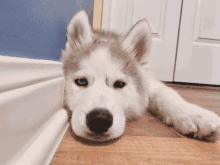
x,y
97,14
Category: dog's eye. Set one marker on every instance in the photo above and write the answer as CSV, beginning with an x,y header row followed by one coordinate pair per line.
x,y
81,82
119,84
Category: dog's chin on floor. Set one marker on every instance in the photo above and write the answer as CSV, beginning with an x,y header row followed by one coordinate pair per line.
x,y
95,139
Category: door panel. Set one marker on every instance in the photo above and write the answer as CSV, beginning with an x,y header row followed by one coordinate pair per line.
x,y
154,11
163,16
198,57
209,25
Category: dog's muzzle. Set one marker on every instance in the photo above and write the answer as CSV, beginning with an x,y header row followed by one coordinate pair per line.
x,y
99,120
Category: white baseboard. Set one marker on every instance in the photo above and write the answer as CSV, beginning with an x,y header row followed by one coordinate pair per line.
x,y
32,121
20,72
42,150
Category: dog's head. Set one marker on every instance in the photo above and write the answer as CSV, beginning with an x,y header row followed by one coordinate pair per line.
x,y
104,77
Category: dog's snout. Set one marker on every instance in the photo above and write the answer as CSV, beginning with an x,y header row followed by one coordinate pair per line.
x,y
99,120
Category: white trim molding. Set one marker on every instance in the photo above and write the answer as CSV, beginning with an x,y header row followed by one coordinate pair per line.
x,y
32,121
19,72
42,150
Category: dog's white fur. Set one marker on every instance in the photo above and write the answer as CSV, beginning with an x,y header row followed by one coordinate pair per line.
x,y
101,68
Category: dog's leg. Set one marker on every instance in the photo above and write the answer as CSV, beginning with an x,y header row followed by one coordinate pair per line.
x,y
185,117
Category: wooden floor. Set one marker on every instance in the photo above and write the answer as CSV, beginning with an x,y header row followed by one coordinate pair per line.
x,y
147,141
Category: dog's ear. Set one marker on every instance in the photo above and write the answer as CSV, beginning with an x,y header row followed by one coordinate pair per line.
x,y
138,41
79,31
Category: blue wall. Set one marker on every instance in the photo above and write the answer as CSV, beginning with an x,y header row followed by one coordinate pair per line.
x,y
37,28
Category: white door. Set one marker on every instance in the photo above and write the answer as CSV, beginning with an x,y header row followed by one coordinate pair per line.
x,y
163,15
198,57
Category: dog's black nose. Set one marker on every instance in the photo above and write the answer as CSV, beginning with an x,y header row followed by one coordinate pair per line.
x,y
99,120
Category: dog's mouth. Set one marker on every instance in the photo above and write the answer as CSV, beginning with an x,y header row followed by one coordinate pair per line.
x,y
95,139
98,137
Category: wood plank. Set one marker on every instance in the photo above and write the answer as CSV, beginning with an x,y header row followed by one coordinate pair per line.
x,y
139,150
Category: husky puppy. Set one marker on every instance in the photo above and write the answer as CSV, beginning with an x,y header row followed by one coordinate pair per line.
x,y
108,81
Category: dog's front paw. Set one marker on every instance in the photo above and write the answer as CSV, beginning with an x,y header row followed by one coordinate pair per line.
x,y
195,122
